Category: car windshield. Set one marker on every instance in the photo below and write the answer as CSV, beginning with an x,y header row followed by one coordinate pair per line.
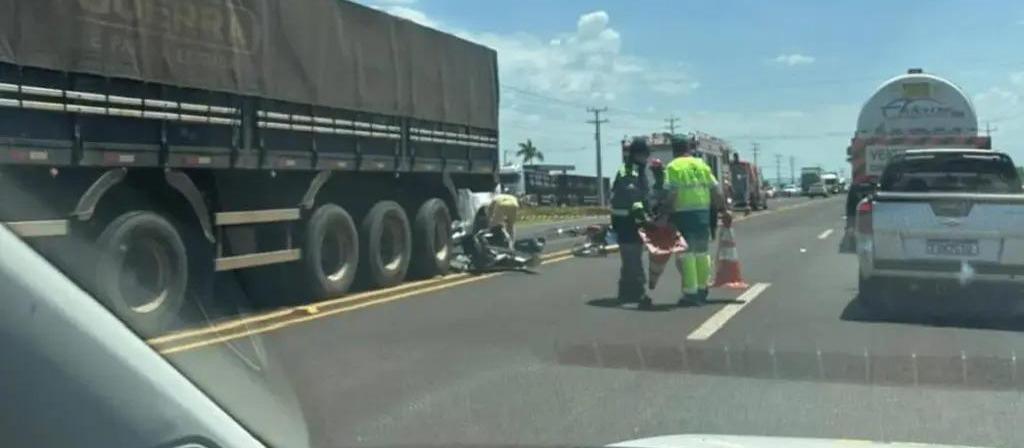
x,y
448,223
970,173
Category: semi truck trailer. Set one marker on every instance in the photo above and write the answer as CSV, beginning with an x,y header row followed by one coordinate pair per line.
x,y
147,146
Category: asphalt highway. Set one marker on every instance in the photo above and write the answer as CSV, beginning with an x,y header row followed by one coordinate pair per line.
x,y
551,359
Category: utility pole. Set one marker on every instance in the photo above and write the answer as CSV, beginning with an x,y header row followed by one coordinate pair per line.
x,y
778,169
597,121
755,148
672,124
792,169
989,129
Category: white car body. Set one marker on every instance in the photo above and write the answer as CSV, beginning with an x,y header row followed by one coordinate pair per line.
x,y
959,236
910,241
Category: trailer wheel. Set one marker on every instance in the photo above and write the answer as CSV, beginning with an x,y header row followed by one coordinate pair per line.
x,y
432,241
331,251
385,246
142,270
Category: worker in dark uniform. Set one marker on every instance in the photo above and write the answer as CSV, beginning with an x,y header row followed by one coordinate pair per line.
x,y
630,192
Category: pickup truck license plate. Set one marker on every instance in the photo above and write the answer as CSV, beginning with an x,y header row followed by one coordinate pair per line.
x,y
964,248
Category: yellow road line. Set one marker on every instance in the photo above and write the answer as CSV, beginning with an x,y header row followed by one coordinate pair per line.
x,y
306,318
315,306
310,317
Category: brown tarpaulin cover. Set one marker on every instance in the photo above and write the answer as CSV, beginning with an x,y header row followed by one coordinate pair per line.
x,y
326,52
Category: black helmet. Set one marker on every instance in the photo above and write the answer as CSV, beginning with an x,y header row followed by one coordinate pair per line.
x,y
638,146
682,144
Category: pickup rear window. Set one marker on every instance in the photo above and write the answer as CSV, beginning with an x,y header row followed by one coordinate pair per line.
x,y
951,172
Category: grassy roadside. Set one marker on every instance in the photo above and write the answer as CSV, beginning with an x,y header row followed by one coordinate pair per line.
x,y
549,214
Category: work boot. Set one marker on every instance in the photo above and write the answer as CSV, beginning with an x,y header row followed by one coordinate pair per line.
x,y
689,300
645,302
702,296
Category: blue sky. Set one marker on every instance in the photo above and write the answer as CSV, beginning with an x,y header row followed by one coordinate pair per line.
x,y
790,76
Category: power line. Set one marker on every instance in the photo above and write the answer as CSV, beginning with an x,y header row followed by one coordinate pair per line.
x,y
574,104
787,136
541,96
597,121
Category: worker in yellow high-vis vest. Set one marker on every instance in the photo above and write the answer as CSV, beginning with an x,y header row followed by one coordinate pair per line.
x,y
696,190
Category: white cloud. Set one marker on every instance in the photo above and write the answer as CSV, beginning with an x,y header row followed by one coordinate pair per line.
x,y
1001,101
397,8
585,64
1002,107
1017,79
996,104
793,59
997,95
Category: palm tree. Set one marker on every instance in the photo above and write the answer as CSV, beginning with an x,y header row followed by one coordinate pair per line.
x,y
529,153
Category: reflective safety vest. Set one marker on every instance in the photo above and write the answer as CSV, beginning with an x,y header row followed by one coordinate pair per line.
x,y
692,181
629,191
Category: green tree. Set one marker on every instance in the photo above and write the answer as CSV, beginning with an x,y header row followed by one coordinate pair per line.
x,y
529,153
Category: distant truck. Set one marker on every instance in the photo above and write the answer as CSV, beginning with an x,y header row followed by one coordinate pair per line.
x,y
915,110
810,176
550,185
831,182
747,190
146,146
716,152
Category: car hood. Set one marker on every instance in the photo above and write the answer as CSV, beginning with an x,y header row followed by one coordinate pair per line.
x,y
727,441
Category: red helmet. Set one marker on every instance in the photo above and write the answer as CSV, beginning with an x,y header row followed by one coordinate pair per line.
x,y
656,164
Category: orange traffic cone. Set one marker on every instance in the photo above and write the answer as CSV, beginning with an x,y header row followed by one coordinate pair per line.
x,y
727,275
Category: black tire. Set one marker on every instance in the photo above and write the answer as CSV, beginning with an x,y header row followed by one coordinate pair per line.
x,y
384,245
330,252
142,270
873,296
432,242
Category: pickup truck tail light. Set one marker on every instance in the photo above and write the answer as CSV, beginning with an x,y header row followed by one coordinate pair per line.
x,y
864,224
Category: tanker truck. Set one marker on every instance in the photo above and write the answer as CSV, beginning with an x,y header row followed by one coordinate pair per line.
x,y
914,110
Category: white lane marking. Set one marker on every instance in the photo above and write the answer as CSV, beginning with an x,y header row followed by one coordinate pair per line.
x,y
825,234
717,320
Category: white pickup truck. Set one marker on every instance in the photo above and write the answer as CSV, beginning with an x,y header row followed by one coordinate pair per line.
x,y
941,218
